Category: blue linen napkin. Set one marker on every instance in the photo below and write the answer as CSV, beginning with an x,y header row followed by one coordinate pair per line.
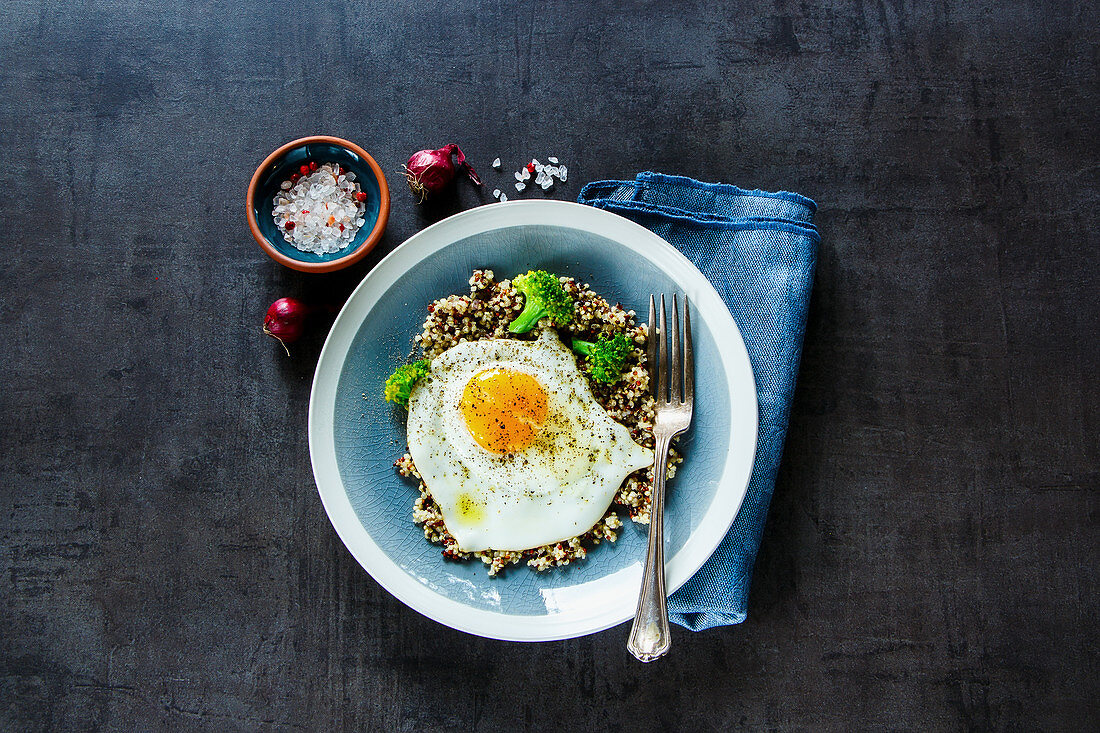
x,y
759,251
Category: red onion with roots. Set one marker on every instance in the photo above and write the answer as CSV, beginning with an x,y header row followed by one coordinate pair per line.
x,y
429,171
285,320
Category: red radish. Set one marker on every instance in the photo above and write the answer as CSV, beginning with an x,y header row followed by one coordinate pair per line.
x,y
285,320
429,171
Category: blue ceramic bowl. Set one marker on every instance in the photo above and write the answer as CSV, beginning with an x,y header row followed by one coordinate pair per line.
x,y
355,436
285,161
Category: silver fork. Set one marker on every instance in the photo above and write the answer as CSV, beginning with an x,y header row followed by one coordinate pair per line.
x,y
649,636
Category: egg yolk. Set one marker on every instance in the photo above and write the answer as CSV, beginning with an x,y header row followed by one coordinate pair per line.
x,y
503,409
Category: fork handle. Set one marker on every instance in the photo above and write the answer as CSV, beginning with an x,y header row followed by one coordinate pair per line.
x,y
649,636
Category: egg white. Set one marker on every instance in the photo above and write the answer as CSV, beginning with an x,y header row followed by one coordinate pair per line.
x,y
556,488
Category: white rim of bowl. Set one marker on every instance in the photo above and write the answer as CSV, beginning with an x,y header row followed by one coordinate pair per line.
x,y
731,486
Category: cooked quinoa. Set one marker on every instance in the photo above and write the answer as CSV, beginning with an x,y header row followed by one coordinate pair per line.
x,y
485,313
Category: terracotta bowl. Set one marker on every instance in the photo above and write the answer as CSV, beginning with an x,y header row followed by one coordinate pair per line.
x,y
278,167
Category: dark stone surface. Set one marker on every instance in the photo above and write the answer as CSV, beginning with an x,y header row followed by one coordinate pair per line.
x,y
931,557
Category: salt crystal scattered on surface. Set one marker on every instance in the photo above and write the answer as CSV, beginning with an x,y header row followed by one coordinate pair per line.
x,y
320,209
543,175
503,198
496,163
496,193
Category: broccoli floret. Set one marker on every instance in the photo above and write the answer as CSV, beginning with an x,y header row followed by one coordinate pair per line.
x,y
399,385
605,357
544,297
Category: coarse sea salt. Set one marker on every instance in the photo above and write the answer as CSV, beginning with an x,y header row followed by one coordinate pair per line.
x,y
320,212
538,174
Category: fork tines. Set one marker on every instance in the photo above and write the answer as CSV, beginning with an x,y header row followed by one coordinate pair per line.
x,y
662,359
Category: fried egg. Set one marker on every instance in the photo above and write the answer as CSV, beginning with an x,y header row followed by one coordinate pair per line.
x,y
512,445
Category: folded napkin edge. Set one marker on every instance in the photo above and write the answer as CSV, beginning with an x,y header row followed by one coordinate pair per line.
x,y
653,176
743,223
707,619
